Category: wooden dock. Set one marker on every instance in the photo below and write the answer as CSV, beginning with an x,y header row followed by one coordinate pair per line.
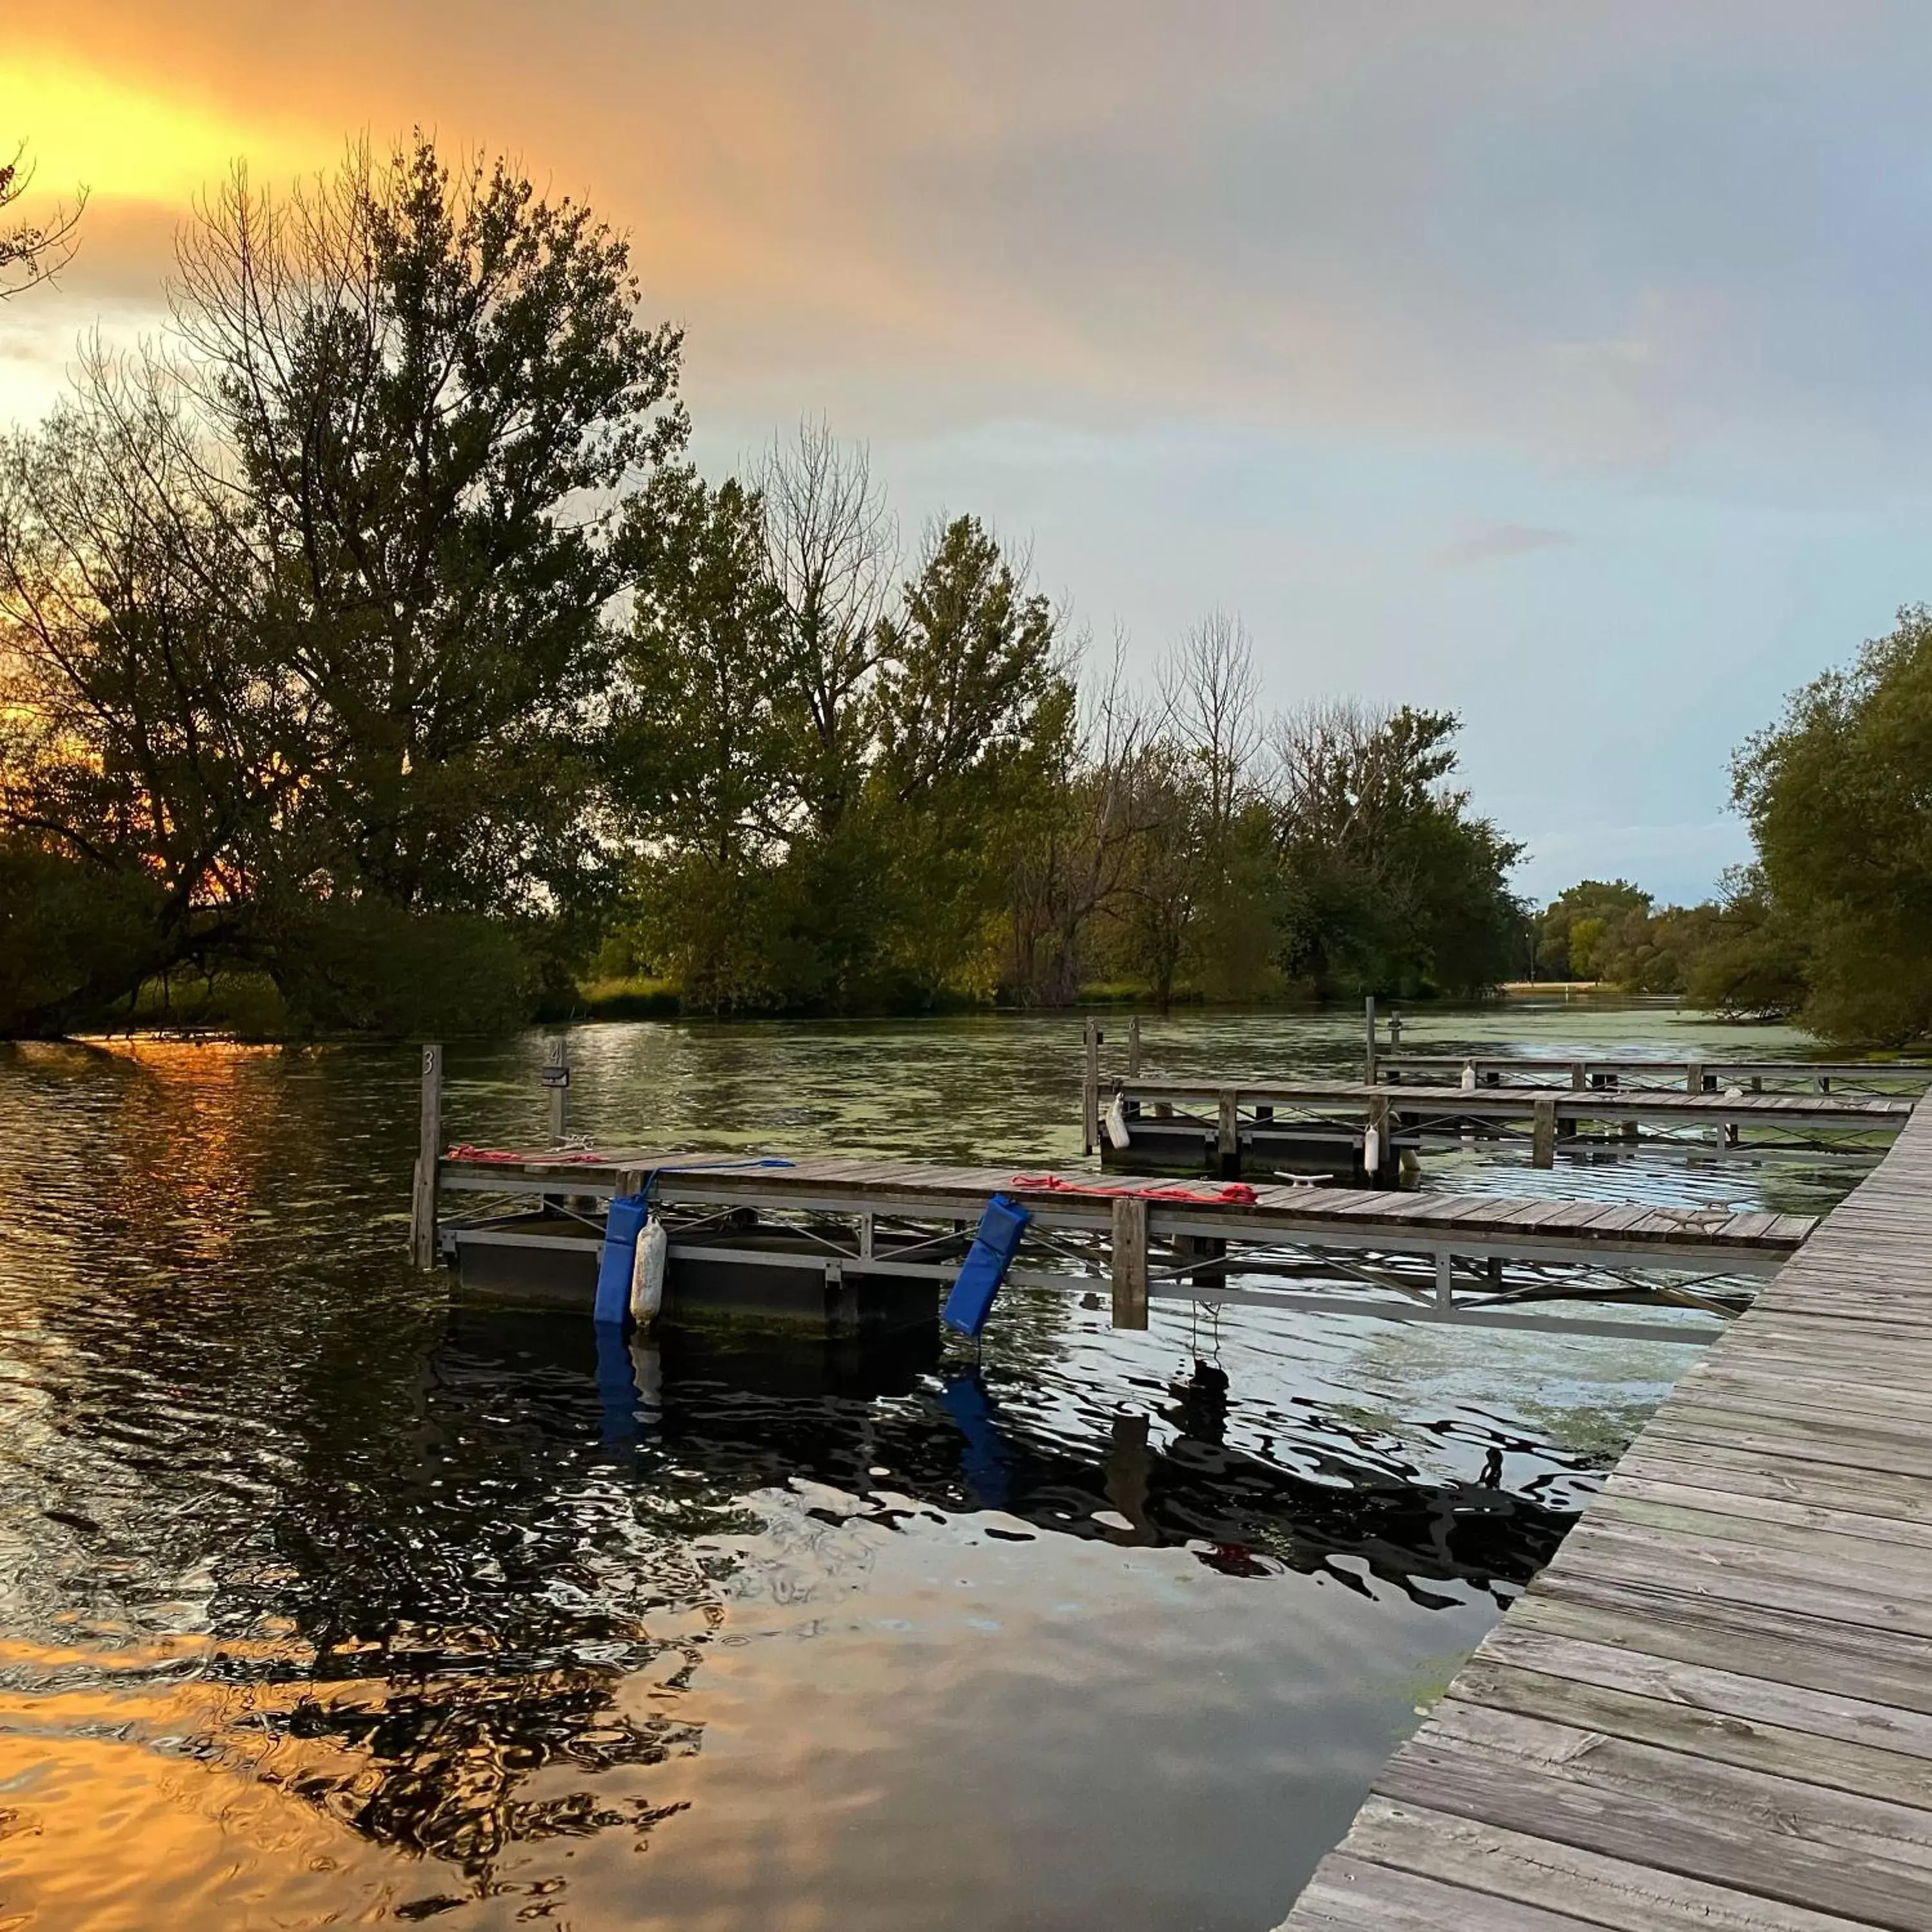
x,y
1447,1107
1480,1259
1223,1125
1714,1708
1692,1075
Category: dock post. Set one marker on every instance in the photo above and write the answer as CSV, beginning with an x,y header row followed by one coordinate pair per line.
x,y
1090,1092
1543,1131
1228,1133
429,1154
556,1084
1130,1260
1693,1076
1369,1051
1577,1083
1134,1047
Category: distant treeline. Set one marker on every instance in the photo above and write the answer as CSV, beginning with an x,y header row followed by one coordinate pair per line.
x,y
371,649
1728,955
1831,924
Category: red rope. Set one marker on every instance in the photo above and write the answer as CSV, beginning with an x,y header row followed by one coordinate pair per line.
x,y
1233,1194
548,1156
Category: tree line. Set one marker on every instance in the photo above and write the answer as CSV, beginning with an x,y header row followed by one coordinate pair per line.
x,y
1730,954
373,639
1830,925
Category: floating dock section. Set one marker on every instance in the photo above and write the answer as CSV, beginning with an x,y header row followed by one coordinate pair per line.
x,y
865,1244
1231,1127
1690,1076
1714,1708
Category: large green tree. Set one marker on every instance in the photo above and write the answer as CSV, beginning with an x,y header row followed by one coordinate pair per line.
x,y
1837,798
437,391
763,878
314,613
1392,882
697,755
971,709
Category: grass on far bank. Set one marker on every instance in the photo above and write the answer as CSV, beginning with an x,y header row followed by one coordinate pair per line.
x,y
635,997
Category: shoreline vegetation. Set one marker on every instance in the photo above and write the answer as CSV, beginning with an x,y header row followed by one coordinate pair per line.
x,y
373,662
248,1011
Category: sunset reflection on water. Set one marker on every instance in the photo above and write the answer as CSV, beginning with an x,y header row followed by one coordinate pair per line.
x,y
324,1600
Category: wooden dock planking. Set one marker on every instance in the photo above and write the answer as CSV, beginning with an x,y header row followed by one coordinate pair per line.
x,y
1553,1071
1714,1708
1349,1100
884,1187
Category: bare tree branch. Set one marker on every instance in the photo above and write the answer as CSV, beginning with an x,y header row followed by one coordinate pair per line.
x,y
832,550
1212,691
33,252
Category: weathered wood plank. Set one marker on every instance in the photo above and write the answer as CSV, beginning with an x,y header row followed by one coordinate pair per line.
x,y
1830,1851
1833,1587
1624,1895
1762,1512
1813,1537
1351,1895
1722,1735
1846,1660
1721,1693
1690,1431
1860,1492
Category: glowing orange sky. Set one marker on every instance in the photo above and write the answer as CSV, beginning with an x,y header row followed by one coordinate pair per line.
x,y
1421,335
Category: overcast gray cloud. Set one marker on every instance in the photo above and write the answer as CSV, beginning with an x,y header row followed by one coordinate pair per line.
x,y
1563,364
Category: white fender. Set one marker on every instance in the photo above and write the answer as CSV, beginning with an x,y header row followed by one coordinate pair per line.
x,y
647,1273
1469,1076
1372,1150
1116,1123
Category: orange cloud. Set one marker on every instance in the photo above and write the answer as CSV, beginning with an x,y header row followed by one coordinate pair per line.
x,y
127,139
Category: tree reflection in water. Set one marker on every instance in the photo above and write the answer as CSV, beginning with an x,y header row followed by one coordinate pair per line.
x,y
556,1525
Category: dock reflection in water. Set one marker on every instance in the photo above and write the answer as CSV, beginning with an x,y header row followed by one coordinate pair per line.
x,y
324,1600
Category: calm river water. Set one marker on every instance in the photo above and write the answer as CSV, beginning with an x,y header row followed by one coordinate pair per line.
x,y
324,1600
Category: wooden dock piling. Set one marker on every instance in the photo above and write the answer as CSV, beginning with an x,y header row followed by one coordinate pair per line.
x,y
1542,1132
1090,1091
1129,1261
429,1153
556,1084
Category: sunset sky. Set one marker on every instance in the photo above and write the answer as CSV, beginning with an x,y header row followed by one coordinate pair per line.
x,y
1567,365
